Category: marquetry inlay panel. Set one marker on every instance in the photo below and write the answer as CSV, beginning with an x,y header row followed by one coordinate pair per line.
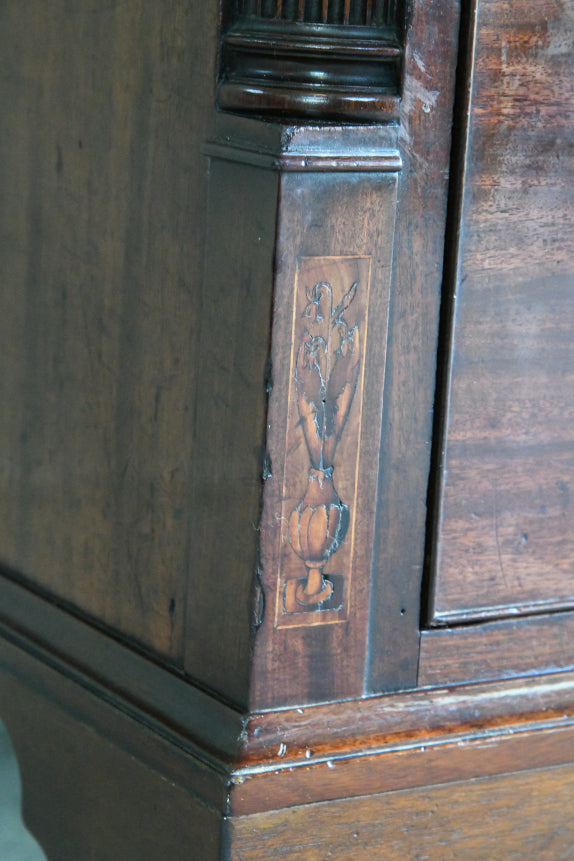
x,y
318,512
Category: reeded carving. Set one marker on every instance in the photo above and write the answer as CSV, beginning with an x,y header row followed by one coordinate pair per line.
x,y
347,12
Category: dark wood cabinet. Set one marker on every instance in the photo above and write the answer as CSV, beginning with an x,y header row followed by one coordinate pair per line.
x,y
287,320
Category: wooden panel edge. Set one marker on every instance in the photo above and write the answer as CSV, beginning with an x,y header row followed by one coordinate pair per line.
x,y
425,133
497,650
343,728
407,741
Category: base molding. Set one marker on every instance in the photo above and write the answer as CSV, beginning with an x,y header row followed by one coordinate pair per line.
x,y
404,740
504,816
346,759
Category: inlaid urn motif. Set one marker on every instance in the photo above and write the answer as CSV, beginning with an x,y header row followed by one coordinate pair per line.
x,y
326,372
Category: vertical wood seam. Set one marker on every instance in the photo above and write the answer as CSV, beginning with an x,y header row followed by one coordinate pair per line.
x,y
457,176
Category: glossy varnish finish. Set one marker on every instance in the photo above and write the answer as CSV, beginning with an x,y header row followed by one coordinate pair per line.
x,y
321,60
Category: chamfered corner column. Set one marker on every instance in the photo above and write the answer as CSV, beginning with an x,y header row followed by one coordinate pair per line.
x,y
295,316
330,315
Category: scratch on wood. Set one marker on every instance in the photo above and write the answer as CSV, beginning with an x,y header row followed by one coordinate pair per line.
x,y
495,525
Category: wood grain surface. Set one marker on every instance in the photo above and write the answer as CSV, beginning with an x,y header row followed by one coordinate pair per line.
x,y
319,60
425,129
229,426
325,216
167,696
104,110
513,816
506,532
499,649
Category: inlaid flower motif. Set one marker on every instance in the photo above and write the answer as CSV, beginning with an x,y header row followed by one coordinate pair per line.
x,y
326,374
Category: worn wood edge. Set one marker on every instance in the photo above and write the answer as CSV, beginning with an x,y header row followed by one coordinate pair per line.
x,y
451,618
389,162
502,649
433,762
273,737
289,147
403,741
147,692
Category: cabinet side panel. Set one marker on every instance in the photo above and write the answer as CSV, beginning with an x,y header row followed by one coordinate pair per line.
x,y
104,109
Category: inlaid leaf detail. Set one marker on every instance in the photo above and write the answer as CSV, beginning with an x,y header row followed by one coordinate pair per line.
x,y
326,371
